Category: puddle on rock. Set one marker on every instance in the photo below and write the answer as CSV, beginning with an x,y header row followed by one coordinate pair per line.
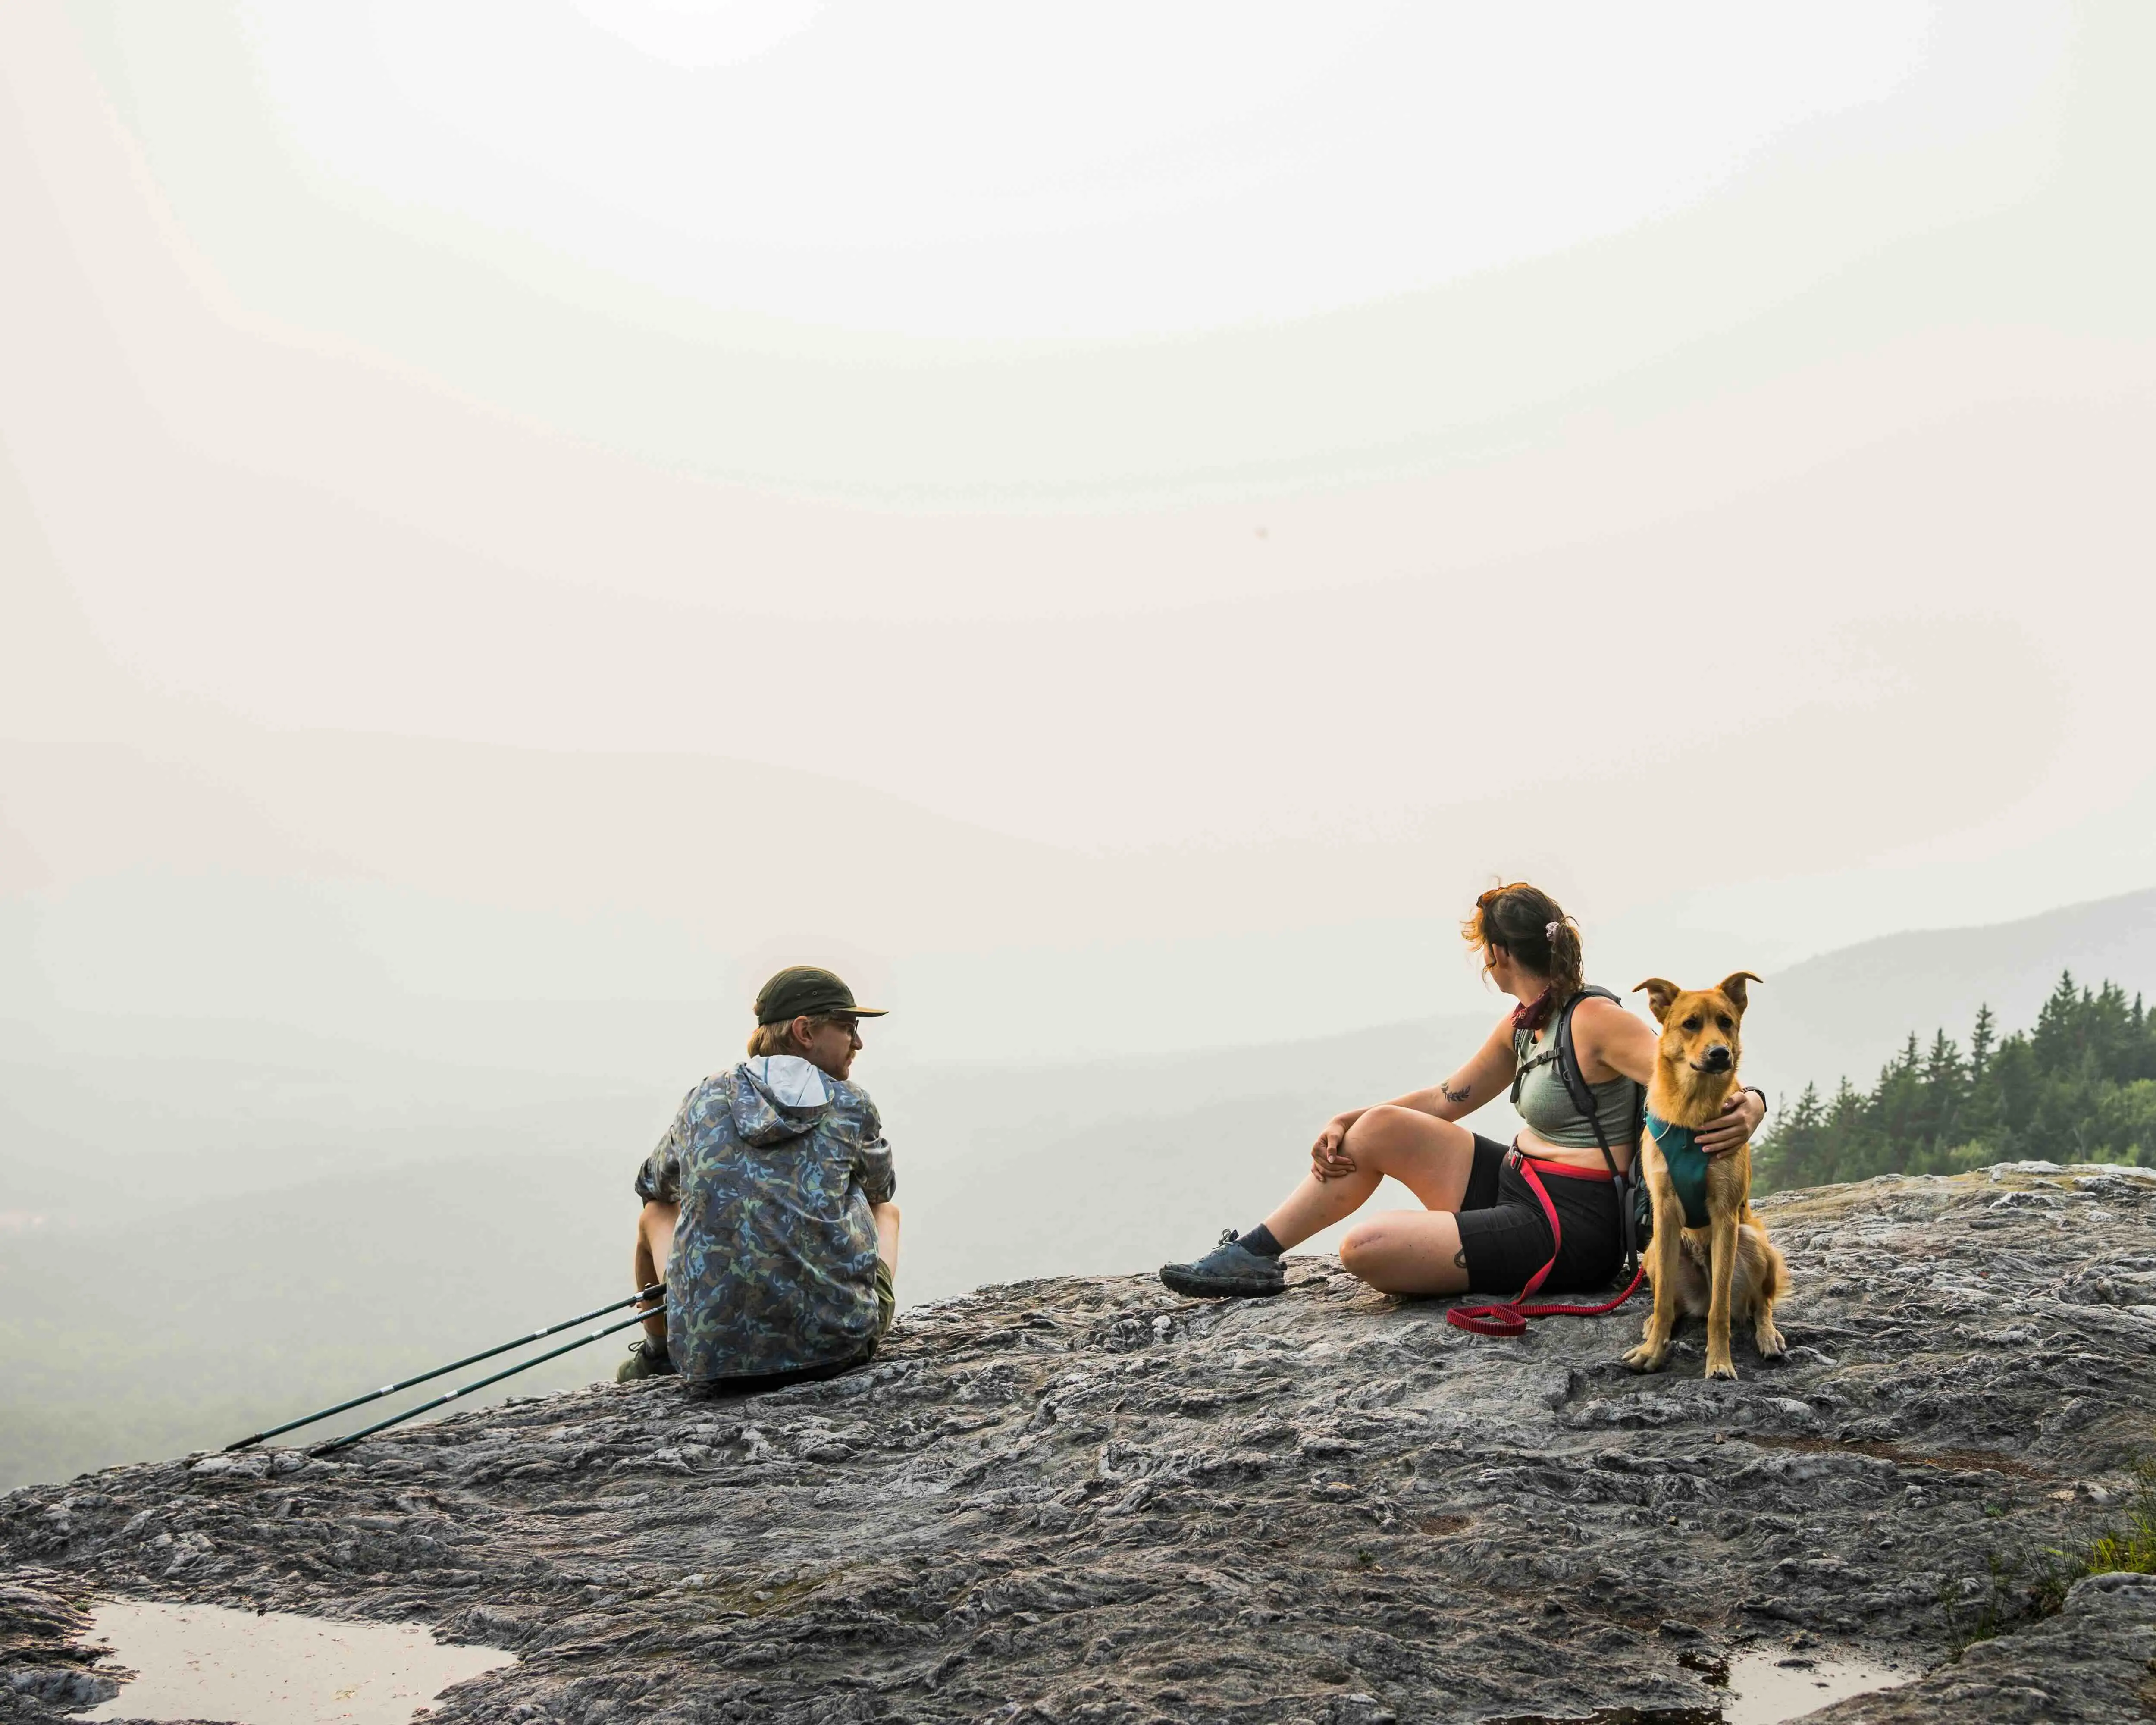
x,y
1769,1685
210,1662
1765,1686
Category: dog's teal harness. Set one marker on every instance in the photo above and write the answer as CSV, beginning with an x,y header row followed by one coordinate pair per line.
x,y
1687,1163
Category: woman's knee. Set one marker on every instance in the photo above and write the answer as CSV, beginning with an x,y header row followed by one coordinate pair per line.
x,y
1390,1118
1407,1252
1385,1128
1365,1246
1383,1121
1390,1132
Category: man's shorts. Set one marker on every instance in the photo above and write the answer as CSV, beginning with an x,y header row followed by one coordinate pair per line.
x,y
886,1299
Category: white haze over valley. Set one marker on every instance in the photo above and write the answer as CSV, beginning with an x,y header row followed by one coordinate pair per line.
x,y
1108,528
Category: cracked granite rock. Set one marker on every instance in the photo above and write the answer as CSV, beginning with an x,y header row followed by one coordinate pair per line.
x,y
1084,1499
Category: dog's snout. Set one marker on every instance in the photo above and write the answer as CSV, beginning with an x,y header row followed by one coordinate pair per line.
x,y
1718,1057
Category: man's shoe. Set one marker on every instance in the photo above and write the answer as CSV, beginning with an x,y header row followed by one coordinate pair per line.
x,y
647,1359
1229,1271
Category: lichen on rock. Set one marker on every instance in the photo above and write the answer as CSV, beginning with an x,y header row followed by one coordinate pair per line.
x,y
1085,1499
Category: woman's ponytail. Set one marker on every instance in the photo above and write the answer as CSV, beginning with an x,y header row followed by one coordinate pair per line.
x,y
1567,963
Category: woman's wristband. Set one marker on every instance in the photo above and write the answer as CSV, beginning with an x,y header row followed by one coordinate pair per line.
x,y
1761,1095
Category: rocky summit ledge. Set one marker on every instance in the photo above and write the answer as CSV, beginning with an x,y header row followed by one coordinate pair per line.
x,y
1080,1499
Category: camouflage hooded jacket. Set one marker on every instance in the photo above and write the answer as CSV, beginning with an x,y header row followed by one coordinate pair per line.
x,y
774,1165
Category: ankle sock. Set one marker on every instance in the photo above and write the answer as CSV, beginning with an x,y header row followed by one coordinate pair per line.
x,y
1259,1240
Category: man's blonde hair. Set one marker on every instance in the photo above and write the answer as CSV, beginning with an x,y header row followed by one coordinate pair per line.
x,y
779,1038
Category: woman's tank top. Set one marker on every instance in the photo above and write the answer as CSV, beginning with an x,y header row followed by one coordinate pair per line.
x,y
1542,1101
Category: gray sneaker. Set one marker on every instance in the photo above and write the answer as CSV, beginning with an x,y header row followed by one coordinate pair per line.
x,y
647,1359
1228,1271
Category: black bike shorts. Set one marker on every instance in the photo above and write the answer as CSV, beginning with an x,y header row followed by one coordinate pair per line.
x,y
1505,1237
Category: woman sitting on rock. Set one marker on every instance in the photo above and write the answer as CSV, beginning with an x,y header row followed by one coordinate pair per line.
x,y
1482,1227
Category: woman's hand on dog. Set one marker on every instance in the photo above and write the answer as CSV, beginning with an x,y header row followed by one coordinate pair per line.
x,y
1739,1119
1329,1159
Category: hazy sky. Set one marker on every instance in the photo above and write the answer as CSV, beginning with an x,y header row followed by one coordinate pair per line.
x,y
1164,502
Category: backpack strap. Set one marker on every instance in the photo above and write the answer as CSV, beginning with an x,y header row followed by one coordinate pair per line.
x,y
1583,1098
1568,1055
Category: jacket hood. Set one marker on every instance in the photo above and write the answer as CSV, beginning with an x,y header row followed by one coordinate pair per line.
x,y
778,1096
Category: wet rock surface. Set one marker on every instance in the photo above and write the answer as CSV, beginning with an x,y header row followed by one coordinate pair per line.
x,y
2090,1663
1086,1499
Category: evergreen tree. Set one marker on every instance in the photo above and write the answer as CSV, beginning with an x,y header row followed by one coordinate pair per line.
x,y
1789,1156
1938,1114
2057,1020
2015,1076
2080,1086
1980,1040
2141,1045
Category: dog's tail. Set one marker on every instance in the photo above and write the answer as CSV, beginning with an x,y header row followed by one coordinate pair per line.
x,y
1775,1270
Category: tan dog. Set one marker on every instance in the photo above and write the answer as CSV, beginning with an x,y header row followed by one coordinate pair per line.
x,y
1725,1268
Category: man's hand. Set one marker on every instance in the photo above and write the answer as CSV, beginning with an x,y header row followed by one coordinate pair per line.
x,y
1739,1119
1329,1159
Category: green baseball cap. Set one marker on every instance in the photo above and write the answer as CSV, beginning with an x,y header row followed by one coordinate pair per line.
x,y
802,990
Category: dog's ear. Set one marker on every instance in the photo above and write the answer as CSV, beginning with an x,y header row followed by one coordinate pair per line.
x,y
1660,996
1732,985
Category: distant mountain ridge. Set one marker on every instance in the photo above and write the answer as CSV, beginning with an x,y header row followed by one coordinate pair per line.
x,y
1845,1012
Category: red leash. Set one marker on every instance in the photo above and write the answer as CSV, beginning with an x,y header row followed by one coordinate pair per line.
x,y
1509,1318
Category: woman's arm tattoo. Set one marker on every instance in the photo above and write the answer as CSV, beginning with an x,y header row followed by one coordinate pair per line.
x,y
1450,1095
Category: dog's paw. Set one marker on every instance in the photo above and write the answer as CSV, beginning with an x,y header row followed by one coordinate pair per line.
x,y
1771,1344
1723,1367
1648,1357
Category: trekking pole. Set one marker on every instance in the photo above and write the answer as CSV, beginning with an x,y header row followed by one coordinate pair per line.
x,y
353,1437
656,1292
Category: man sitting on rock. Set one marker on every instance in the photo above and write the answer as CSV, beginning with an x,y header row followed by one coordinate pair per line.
x,y
767,1207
